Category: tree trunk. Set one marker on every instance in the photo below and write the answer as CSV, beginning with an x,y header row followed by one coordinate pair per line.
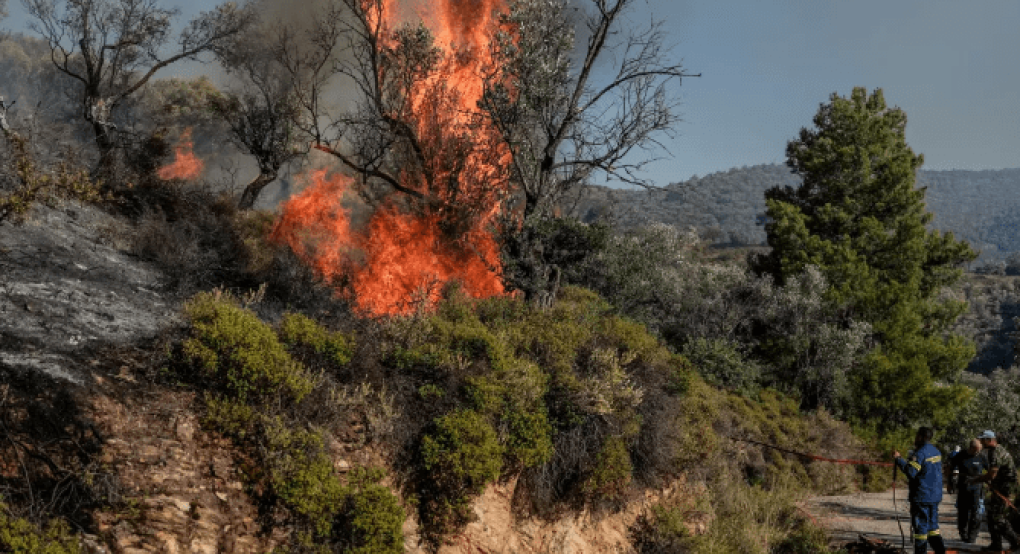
x,y
251,192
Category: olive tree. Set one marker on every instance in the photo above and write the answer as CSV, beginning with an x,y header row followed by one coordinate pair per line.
x,y
554,112
261,107
112,48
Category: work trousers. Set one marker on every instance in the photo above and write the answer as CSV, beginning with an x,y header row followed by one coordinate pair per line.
x,y
924,519
998,522
968,501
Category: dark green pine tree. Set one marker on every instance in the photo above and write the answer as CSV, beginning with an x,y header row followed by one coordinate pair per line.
x,y
859,219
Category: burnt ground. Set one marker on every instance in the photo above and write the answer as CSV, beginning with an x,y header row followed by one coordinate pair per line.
x,y
67,285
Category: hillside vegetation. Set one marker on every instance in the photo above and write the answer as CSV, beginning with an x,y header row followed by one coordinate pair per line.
x,y
427,338
583,407
977,206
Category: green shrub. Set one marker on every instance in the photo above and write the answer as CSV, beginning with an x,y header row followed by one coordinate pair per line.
x,y
530,253
298,329
301,474
229,416
19,536
458,457
612,473
462,454
661,531
239,353
805,539
372,520
722,364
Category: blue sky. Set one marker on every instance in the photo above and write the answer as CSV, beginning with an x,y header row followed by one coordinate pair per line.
x,y
953,66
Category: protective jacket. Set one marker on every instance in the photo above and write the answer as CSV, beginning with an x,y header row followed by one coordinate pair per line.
x,y
924,471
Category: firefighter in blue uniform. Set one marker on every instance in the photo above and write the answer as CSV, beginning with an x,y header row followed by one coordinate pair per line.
x,y
924,472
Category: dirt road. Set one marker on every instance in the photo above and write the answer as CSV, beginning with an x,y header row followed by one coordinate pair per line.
x,y
875,514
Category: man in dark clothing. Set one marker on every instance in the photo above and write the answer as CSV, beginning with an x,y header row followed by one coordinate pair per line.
x,y
1001,479
970,464
924,474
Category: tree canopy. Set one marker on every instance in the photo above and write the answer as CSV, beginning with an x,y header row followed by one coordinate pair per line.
x,y
858,217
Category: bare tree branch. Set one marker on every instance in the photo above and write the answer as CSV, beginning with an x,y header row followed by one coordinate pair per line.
x,y
114,47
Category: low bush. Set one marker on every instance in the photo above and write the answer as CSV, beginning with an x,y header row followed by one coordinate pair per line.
x,y
788,337
579,402
662,530
19,536
300,330
239,354
371,520
459,457
300,473
23,183
254,388
723,364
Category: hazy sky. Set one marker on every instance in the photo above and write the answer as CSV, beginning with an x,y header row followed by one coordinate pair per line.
x,y
953,66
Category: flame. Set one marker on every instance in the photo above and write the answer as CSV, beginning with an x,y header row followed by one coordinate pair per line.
x,y
186,164
464,176
393,258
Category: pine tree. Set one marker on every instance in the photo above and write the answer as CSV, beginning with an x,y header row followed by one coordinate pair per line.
x,y
859,219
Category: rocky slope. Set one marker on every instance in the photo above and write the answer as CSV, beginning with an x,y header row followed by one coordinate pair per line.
x,y
81,318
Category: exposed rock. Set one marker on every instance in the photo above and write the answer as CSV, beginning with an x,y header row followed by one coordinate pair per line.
x,y
68,283
497,529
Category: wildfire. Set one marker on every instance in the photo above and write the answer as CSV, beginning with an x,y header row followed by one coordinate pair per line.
x,y
185,165
400,254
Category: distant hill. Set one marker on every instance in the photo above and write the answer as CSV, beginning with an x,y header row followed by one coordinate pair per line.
x,y
981,207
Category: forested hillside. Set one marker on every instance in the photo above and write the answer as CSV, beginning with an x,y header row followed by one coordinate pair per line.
x,y
977,206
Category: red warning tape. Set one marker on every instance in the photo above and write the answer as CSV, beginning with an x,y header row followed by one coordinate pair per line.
x,y
1006,500
817,458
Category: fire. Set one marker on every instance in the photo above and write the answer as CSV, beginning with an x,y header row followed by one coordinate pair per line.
x,y
393,258
463,176
185,165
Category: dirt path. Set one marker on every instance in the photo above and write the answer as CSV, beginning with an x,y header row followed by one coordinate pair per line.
x,y
874,513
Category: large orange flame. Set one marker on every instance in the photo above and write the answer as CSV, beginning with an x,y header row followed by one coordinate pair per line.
x,y
465,179
186,164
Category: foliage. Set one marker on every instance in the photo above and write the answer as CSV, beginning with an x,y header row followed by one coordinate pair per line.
x,y
859,219
240,354
660,531
460,456
787,337
19,536
299,329
995,405
755,519
28,184
372,519
534,256
301,474
723,364
611,476
251,376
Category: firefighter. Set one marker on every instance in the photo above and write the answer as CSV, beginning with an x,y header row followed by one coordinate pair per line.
x,y
1001,479
924,471
970,464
